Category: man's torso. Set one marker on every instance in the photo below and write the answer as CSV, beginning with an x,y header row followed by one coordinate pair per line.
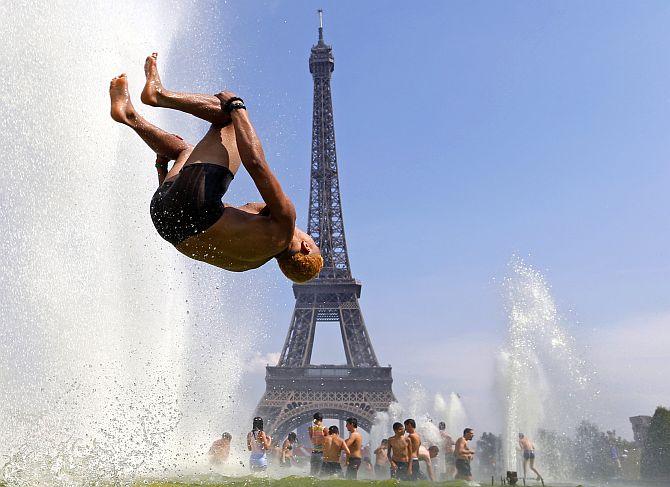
x,y
399,449
381,457
332,448
240,240
354,444
414,444
526,444
461,450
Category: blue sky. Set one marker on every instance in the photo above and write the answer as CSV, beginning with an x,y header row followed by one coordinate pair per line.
x,y
468,132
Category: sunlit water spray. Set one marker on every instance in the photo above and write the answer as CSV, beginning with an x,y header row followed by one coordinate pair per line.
x,y
427,410
117,357
544,382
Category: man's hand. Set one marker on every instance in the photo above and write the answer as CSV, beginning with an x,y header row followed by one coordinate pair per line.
x,y
394,466
225,97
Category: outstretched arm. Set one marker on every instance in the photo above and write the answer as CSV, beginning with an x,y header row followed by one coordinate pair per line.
x,y
251,152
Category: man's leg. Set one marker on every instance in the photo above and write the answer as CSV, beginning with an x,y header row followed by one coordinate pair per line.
x,y
219,145
160,141
532,467
206,107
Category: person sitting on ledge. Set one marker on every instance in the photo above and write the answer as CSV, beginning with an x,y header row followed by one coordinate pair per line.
x,y
186,209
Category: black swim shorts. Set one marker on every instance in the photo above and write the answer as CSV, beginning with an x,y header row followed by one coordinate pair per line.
x,y
400,472
352,468
191,202
331,468
463,468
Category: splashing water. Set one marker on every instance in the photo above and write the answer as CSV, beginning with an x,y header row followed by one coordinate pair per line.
x,y
453,412
114,358
544,382
426,411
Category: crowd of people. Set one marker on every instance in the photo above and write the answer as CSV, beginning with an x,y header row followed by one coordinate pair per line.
x,y
402,456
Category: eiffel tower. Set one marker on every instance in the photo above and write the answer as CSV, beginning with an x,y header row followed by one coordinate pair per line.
x,y
296,388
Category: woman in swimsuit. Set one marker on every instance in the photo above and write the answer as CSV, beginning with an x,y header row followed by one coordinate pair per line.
x,y
258,444
287,450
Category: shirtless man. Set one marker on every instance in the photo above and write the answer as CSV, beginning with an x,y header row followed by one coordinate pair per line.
x,y
187,210
528,448
464,455
220,450
333,446
381,459
414,471
354,443
398,452
317,433
448,447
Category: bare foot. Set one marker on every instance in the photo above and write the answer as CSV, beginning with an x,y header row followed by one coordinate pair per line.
x,y
122,110
153,87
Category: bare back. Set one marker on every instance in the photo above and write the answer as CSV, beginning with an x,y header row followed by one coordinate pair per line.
x,y
332,448
240,240
526,444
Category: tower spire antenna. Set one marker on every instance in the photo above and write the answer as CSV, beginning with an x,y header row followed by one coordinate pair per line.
x,y
320,25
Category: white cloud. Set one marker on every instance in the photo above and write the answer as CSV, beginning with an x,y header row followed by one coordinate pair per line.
x,y
257,362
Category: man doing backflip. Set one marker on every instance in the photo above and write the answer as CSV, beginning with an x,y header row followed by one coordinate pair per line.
x,y
187,210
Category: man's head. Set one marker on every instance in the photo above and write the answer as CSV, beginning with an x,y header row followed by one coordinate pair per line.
x,y
292,437
442,426
301,261
333,430
468,433
352,424
433,451
520,436
398,429
385,442
227,436
410,425
318,417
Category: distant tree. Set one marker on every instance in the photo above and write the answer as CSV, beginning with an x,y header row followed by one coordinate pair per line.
x,y
488,450
656,452
593,458
556,454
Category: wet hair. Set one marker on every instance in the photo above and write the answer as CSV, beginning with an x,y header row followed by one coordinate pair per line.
x,y
520,435
385,441
318,416
442,426
257,424
353,422
292,436
410,422
397,426
300,267
466,431
435,449
334,430
227,436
